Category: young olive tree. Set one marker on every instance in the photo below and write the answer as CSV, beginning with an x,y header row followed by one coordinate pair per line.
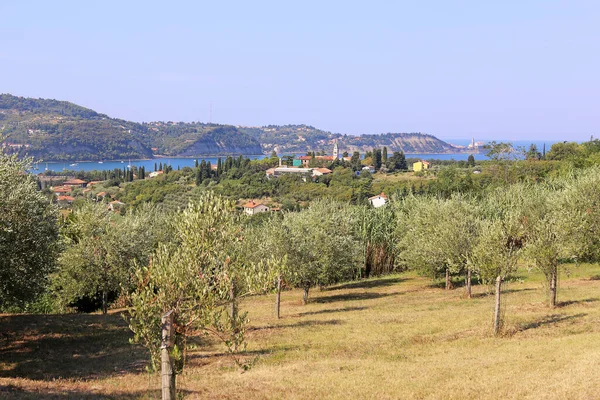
x,y
265,248
320,246
506,216
101,248
553,238
28,234
191,278
439,237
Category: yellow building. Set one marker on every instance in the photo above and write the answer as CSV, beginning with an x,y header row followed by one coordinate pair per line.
x,y
421,166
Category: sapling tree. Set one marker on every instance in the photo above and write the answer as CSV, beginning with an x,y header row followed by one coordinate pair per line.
x,y
192,278
506,215
552,239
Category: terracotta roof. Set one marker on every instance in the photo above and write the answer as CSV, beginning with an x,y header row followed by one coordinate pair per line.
x,y
116,202
329,158
305,158
62,189
251,204
74,182
92,183
65,198
425,162
323,170
101,194
382,195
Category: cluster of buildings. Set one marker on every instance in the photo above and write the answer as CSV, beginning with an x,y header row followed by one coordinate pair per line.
x,y
64,193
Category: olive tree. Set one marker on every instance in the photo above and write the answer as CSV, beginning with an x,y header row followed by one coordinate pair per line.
x,y
191,277
439,237
320,245
101,248
28,234
506,216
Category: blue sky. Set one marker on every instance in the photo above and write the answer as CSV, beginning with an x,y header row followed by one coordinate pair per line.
x,y
494,70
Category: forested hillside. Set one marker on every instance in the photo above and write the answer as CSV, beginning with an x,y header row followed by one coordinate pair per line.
x,y
290,139
55,130
58,130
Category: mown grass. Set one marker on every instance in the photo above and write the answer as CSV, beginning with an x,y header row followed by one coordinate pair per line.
x,y
384,338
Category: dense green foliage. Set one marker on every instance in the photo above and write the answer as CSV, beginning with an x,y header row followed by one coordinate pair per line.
x,y
28,235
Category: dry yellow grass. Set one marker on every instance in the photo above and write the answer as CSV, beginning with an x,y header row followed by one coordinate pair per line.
x,y
387,338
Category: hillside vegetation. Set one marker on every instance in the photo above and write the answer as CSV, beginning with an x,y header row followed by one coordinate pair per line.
x,y
58,130
55,130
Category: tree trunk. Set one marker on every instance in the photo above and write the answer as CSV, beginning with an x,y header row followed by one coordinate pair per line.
x,y
468,283
233,303
278,297
305,296
166,364
104,302
497,322
447,279
553,281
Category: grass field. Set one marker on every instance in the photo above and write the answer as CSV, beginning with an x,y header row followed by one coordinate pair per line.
x,y
387,338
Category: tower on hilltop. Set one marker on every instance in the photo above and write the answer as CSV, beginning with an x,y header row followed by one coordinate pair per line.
x,y
336,150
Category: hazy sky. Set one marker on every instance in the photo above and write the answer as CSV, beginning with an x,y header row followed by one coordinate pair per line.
x,y
455,69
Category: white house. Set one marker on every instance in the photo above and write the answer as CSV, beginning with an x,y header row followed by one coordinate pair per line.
x,y
369,168
252,208
379,200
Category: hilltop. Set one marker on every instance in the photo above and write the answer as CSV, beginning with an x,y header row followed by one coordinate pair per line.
x,y
55,130
59,130
301,138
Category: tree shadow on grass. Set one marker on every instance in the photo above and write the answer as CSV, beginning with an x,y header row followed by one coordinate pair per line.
x,y
300,324
48,347
548,320
352,296
335,310
507,291
579,302
368,284
11,391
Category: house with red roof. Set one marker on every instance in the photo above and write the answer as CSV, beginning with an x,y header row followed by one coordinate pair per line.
x,y
379,200
253,207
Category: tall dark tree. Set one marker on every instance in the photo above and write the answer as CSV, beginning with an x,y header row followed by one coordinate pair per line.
x,y
471,160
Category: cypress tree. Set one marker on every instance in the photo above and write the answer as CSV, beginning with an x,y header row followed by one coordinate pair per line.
x,y
219,167
384,156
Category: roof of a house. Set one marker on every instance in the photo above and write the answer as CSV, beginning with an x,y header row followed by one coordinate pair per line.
x,y
92,183
305,158
331,158
252,204
116,202
382,195
368,167
62,189
74,182
101,194
424,162
65,198
323,170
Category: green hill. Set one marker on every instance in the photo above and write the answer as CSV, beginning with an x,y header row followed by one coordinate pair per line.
x,y
302,138
55,130
61,131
